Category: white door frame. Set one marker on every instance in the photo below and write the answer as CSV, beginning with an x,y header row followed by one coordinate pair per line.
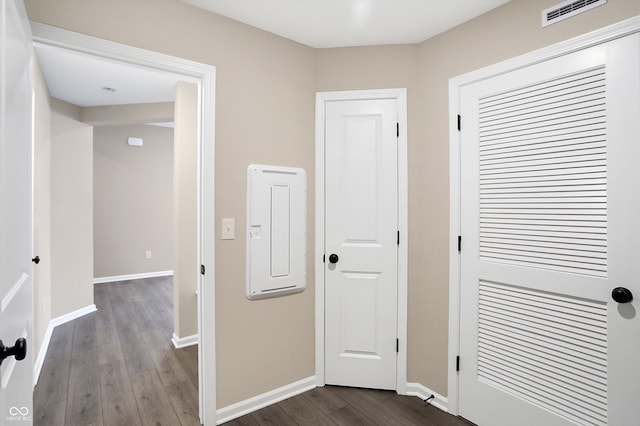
x,y
203,76
400,95
618,30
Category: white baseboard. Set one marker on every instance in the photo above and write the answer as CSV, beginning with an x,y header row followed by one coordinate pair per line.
x,y
115,278
422,392
250,405
44,346
183,342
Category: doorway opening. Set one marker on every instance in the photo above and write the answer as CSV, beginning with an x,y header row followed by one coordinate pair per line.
x,y
202,76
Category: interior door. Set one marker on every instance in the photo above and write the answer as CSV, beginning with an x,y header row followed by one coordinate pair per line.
x,y
550,226
16,382
361,224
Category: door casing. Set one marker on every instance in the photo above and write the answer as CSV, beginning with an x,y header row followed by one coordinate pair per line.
x,y
621,29
400,96
204,76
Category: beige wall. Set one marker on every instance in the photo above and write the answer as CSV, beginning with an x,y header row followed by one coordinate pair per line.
x,y
369,67
42,208
132,200
71,210
107,115
264,114
185,184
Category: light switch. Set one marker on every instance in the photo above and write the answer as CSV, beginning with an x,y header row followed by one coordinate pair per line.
x,y
228,228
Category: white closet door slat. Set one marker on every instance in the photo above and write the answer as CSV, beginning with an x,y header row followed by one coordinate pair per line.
x,y
579,365
536,343
543,175
552,86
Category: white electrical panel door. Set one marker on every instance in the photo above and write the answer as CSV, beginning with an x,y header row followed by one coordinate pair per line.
x,y
276,230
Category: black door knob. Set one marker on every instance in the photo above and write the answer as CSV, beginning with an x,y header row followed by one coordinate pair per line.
x,y
19,350
333,258
36,260
621,295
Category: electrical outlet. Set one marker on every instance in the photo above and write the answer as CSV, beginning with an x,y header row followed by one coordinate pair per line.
x,y
148,254
228,228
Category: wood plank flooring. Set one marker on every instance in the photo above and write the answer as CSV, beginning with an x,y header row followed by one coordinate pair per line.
x,y
334,405
117,366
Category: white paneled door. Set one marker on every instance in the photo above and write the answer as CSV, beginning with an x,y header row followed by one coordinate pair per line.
x,y
551,242
16,377
361,248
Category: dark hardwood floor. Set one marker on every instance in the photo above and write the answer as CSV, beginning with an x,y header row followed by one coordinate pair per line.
x,y
118,366
334,405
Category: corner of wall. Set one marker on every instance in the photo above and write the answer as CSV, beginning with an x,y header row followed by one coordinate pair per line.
x,y
53,323
255,403
185,200
71,210
427,395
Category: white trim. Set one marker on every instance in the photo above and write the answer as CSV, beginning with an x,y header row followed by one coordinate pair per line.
x,y
603,35
454,256
44,346
72,315
183,342
423,392
116,278
204,76
319,239
255,403
403,247
206,248
400,95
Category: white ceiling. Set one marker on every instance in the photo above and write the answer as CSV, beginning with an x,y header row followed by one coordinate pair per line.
x,y
340,23
81,79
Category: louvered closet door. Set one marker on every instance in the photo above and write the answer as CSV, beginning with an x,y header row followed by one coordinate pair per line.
x,y
550,225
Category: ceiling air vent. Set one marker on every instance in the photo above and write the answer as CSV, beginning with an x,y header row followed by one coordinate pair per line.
x,y
568,9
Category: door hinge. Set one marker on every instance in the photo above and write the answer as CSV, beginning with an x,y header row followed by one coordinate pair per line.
x,y
397,345
397,130
398,240
202,269
459,243
458,363
323,261
459,122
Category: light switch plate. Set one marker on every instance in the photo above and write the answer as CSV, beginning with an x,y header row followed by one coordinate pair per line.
x,y
228,228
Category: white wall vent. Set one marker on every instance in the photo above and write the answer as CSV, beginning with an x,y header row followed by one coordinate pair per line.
x,y
568,9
